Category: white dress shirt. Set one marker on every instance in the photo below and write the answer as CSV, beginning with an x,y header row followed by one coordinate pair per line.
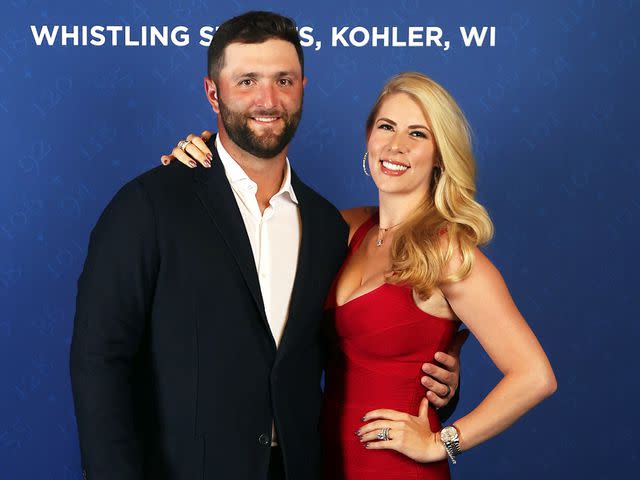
x,y
274,236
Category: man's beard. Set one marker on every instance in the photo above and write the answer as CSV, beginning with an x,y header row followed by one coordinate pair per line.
x,y
262,146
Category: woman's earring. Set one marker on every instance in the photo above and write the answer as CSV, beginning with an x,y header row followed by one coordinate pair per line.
x,y
364,164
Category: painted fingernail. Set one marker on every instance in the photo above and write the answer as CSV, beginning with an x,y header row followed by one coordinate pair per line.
x,y
358,432
362,419
366,445
210,157
207,163
193,164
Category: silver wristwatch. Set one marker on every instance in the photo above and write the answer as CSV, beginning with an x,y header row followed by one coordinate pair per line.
x,y
450,439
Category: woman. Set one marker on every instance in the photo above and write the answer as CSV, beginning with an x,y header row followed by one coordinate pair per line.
x,y
413,272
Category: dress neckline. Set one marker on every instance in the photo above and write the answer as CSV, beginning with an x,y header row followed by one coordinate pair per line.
x,y
356,242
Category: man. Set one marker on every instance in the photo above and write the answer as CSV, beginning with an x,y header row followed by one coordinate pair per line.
x,y
196,350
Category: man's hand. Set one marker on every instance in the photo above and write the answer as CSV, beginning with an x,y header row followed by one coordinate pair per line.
x,y
442,380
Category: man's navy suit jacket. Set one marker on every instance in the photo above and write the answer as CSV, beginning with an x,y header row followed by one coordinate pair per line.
x,y
174,369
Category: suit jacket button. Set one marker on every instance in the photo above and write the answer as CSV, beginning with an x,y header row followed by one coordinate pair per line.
x,y
264,439
84,474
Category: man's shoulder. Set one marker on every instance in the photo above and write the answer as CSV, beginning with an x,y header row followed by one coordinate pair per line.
x,y
317,201
174,175
142,192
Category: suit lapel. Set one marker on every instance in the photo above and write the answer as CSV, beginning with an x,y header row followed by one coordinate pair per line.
x,y
214,191
305,257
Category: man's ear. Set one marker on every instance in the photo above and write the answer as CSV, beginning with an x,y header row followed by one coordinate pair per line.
x,y
305,79
211,91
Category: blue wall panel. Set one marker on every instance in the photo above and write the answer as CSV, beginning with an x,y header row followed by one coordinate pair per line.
x,y
554,112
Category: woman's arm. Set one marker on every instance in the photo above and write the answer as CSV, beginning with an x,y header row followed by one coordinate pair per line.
x,y
482,301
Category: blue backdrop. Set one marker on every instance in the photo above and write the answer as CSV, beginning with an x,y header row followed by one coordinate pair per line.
x,y
554,112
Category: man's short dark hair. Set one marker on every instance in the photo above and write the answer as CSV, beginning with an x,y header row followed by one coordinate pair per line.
x,y
251,27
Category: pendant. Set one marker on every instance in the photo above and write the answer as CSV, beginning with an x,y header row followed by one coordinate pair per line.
x,y
379,243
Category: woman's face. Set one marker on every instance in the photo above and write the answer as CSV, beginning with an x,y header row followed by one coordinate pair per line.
x,y
401,147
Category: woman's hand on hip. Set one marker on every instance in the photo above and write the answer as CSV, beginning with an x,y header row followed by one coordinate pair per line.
x,y
409,435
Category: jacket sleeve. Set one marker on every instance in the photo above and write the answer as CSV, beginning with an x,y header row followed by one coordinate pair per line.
x,y
113,304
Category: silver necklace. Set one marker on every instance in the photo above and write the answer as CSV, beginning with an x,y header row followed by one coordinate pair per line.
x,y
383,231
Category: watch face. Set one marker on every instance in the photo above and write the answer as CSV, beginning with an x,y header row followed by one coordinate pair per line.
x,y
448,434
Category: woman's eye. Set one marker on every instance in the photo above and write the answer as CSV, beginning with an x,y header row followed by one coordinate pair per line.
x,y
419,134
385,126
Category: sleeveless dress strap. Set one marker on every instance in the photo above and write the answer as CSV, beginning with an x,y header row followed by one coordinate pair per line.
x,y
362,231
355,242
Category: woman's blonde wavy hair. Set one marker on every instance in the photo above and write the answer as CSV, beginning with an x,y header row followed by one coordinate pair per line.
x,y
418,256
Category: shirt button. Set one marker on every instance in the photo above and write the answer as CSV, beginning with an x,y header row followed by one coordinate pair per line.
x,y
264,439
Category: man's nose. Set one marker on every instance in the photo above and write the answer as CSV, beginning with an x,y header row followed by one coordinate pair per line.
x,y
266,96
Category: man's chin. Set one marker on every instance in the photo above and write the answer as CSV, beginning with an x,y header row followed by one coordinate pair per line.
x,y
267,151
265,146
268,143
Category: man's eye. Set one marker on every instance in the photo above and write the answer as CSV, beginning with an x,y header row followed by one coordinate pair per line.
x,y
246,82
285,82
